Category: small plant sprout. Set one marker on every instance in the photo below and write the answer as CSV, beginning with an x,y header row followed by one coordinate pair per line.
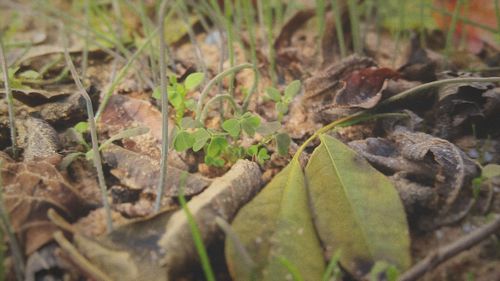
x,y
177,93
10,100
283,100
93,134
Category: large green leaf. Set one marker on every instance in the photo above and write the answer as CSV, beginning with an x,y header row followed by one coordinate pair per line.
x,y
277,226
356,209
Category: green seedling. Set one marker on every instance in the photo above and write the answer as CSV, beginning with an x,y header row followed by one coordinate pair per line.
x,y
284,99
177,94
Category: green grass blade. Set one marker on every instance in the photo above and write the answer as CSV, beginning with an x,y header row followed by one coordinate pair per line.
x,y
195,232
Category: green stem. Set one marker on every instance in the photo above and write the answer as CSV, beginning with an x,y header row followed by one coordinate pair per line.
x,y
436,84
10,99
354,19
195,233
93,135
402,15
213,100
85,54
320,21
228,13
213,81
164,108
421,24
364,115
453,25
338,27
122,74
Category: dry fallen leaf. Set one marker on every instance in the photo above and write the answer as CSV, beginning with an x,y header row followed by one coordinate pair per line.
x,y
30,189
138,171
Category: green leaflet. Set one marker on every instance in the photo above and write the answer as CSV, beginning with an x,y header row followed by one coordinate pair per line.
x,y
275,226
356,209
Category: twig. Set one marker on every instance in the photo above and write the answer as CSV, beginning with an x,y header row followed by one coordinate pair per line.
x,y
444,253
10,100
164,108
93,134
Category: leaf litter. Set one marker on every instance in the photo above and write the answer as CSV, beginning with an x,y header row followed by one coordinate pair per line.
x,y
430,174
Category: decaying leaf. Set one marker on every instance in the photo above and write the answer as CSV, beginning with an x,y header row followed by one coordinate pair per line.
x,y
30,189
138,171
276,225
459,106
124,112
40,139
356,209
326,81
429,172
363,88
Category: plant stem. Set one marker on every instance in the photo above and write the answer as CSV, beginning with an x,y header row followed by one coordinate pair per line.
x,y
93,135
17,253
121,74
250,27
10,99
195,233
164,109
85,54
402,14
354,19
268,20
339,28
361,115
183,13
421,24
436,84
320,22
451,30
213,81
228,14
211,101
